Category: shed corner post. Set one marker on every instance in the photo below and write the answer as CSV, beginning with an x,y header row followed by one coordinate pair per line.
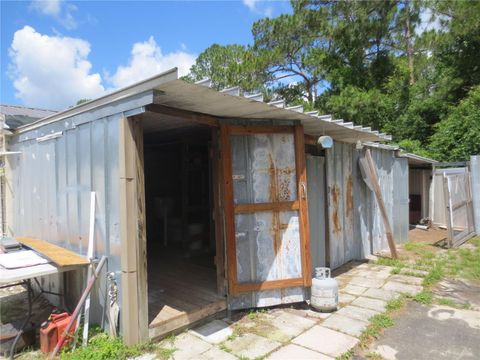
x,y
134,309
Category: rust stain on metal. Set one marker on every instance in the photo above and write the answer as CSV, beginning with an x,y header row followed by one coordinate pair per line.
x,y
272,190
273,194
283,179
335,194
349,197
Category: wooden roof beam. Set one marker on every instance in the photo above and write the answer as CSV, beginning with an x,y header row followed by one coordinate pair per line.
x,y
198,118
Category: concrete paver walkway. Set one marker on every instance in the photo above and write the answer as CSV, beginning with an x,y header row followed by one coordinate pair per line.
x,y
431,332
292,333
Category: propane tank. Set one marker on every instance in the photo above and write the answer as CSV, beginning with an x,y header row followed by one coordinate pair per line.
x,y
324,290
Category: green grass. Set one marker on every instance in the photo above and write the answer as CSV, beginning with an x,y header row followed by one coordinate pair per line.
x,y
425,297
435,274
395,304
390,262
103,347
374,356
447,302
373,330
255,313
225,348
345,356
381,321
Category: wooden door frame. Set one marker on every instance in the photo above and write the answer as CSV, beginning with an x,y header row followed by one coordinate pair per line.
x,y
133,240
230,209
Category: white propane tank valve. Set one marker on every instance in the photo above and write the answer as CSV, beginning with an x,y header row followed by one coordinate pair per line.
x,y
324,290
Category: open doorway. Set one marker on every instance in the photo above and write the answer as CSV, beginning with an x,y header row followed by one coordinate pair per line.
x,y
181,241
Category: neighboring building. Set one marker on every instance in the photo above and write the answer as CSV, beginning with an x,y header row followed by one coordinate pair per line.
x,y
204,199
11,117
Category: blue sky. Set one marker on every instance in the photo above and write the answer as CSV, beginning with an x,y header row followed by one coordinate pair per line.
x,y
56,52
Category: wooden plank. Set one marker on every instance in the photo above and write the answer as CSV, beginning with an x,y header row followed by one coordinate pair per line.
x,y
448,219
259,129
129,308
275,206
194,117
217,213
187,289
301,172
311,140
168,325
141,234
228,207
273,284
130,331
58,255
381,204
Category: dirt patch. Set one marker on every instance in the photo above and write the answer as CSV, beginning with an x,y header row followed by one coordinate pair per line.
x,y
432,236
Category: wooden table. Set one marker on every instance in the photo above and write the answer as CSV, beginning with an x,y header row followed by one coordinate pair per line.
x,y
24,276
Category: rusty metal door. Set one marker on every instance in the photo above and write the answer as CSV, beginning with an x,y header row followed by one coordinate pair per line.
x,y
265,207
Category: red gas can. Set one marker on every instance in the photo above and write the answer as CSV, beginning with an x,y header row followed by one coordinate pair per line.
x,y
52,329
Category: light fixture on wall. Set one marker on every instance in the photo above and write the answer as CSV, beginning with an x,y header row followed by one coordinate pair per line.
x,y
325,141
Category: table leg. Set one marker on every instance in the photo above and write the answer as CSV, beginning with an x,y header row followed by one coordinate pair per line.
x,y
25,322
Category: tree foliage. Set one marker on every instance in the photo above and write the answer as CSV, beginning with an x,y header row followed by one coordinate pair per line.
x,y
407,67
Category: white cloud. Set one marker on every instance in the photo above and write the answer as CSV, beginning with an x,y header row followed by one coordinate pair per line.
x,y
51,71
59,10
47,7
147,60
253,5
428,21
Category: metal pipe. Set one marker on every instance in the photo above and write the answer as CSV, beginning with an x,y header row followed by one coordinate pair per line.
x,y
75,314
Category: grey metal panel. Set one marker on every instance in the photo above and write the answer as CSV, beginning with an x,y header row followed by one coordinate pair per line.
x,y
475,171
267,243
316,208
400,203
52,181
132,105
343,244
354,221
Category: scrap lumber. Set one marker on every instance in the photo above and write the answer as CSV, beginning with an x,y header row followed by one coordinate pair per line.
x,y
56,254
371,179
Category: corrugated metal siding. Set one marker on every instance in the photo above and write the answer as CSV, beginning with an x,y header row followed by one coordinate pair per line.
x,y
316,208
52,182
475,169
340,203
354,221
267,243
400,203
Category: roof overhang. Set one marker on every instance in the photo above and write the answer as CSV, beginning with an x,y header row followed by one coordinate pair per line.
x,y
418,161
169,91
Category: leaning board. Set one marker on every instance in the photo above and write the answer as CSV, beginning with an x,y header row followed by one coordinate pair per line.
x,y
56,254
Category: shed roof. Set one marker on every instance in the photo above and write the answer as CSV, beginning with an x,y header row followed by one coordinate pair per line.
x,y
417,160
200,98
16,115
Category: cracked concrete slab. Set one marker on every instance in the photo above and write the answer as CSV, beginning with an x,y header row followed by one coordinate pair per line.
x,y
345,324
369,303
215,354
431,332
293,351
460,291
356,312
381,294
402,288
354,289
407,279
214,332
251,346
188,346
365,282
326,341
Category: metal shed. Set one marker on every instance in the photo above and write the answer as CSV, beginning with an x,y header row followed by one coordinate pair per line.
x,y
180,166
